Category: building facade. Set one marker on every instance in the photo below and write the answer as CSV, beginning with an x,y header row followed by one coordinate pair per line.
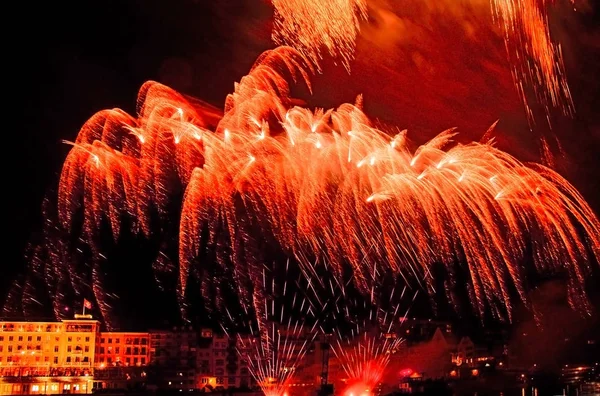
x,y
173,356
123,349
76,357
47,357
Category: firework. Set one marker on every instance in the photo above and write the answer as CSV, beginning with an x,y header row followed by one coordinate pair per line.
x,y
536,61
311,26
361,329
365,351
280,336
325,184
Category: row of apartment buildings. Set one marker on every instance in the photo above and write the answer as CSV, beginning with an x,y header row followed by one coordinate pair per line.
x,y
75,356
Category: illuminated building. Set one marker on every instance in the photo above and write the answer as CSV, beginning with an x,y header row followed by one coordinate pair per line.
x,y
47,357
75,357
121,358
123,349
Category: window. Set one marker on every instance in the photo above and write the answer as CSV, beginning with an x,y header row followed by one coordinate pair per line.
x,y
69,339
87,339
38,338
1,348
143,350
86,348
10,348
68,359
20,338
55,359
220,380
29,338
143,361
117,350
102,340
56,349
1,338
69,348
110,340
10,338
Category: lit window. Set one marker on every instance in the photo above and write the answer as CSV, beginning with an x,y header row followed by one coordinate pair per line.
x,y
35,388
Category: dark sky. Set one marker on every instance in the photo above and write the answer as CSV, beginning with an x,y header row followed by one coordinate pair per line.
x,y
71,59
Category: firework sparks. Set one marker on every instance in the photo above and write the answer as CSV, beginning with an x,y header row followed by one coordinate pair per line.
x,y
365,354
326,184
364,331
280,336
537,62
312,25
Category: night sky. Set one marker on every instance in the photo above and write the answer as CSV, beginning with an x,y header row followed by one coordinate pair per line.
x,y
71,59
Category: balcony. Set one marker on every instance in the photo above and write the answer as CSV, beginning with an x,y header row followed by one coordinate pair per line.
x,y
21,373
